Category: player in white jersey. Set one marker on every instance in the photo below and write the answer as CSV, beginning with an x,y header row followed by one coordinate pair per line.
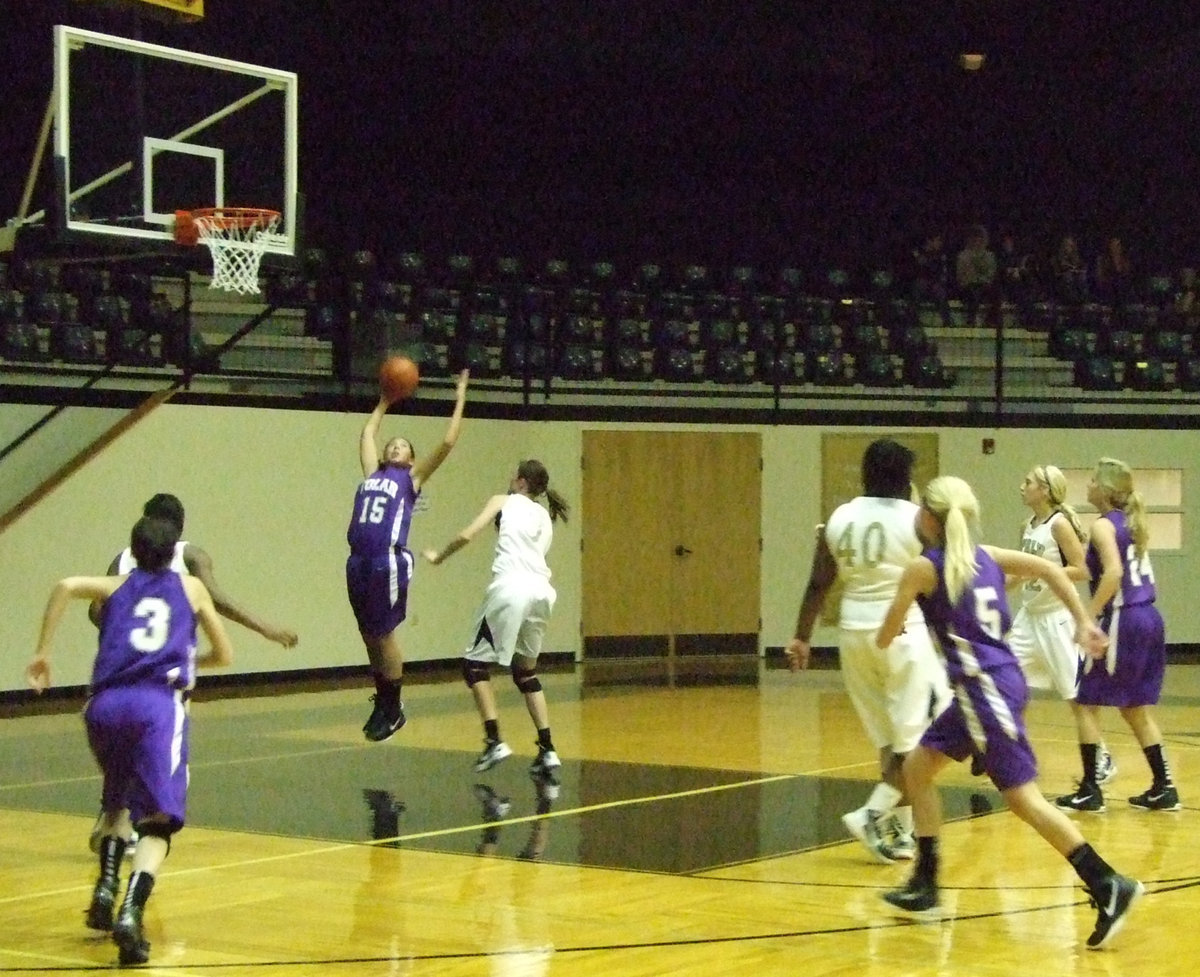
x,y
511,621
1042,632
866,543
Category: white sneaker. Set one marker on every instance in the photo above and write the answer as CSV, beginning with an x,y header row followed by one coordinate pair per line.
x,y
1106,767
545,765
493,753
866,827
900,844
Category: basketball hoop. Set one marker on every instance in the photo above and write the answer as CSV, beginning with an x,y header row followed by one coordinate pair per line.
x,y
237,237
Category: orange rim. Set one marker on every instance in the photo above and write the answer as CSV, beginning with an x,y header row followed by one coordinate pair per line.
x,y
232,216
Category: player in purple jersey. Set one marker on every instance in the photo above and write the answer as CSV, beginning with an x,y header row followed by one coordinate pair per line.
x,y
188,558
511,621
960,588
136,721
380,565
1131,675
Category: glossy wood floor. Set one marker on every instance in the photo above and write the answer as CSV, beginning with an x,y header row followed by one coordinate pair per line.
x,y
696,831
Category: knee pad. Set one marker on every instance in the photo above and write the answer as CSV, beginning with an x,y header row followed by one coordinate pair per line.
x,y
474,671
526,680
156,829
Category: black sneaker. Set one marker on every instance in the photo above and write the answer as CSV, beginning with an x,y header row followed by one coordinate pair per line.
x,y
100,909
916,898
1114,898
1158,799
127,935
383,722
1086,798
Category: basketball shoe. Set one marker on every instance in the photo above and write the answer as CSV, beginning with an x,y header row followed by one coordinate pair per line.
x,y
493,752
1114,898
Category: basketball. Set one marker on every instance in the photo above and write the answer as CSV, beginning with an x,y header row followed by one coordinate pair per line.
x,y
398,377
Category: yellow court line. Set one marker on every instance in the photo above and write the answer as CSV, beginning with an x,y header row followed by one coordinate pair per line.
x,y
421,835
234,761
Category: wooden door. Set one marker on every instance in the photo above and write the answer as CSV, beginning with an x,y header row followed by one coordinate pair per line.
x,y
671,541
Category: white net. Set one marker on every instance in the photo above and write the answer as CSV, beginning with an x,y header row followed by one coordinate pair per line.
x,y
237,237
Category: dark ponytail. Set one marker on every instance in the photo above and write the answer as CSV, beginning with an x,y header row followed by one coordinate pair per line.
x,y
538,479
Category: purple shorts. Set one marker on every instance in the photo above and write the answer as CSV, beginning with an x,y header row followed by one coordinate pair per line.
x,y
378,590
139,736
1132,673
987,717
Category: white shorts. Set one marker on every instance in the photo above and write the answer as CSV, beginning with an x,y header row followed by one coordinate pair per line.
x,y
896,691
1045,648
512,619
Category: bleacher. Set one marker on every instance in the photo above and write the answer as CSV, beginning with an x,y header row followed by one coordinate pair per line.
x,y
737,337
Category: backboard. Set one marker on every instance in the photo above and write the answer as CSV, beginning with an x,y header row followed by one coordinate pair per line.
x,y
142,130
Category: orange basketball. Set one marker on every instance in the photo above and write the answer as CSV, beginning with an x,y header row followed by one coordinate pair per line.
x,y
398,377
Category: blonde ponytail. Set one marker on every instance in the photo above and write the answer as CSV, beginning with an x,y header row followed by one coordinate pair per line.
x,y
1056,493
1116,478
954,505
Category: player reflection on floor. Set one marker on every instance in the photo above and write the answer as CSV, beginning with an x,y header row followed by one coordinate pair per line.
x,y
497,807
385,816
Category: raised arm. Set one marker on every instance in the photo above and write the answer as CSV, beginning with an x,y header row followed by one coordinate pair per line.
x,y
486,516
200,565
368,444
918,578
1087,634
821,577
37,672
220,651
424,467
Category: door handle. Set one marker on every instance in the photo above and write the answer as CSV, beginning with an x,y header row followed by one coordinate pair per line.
x,y
682,550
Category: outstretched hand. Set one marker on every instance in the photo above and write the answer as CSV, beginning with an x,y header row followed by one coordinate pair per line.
x,y
37,673
798,653
282,636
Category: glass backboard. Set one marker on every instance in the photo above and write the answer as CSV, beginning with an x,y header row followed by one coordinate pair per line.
x,y
142,131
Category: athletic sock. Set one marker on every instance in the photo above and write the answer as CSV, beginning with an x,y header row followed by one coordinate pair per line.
x,y
1158,765
1089,753
883,798
1089,866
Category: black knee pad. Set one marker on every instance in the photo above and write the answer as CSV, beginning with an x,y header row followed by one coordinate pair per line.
x,y
526,680
156,829
474,671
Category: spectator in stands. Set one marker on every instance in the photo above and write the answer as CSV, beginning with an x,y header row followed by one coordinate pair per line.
x,y
1016,276
1114,274
931,274
1070,272
975,273
1186,301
